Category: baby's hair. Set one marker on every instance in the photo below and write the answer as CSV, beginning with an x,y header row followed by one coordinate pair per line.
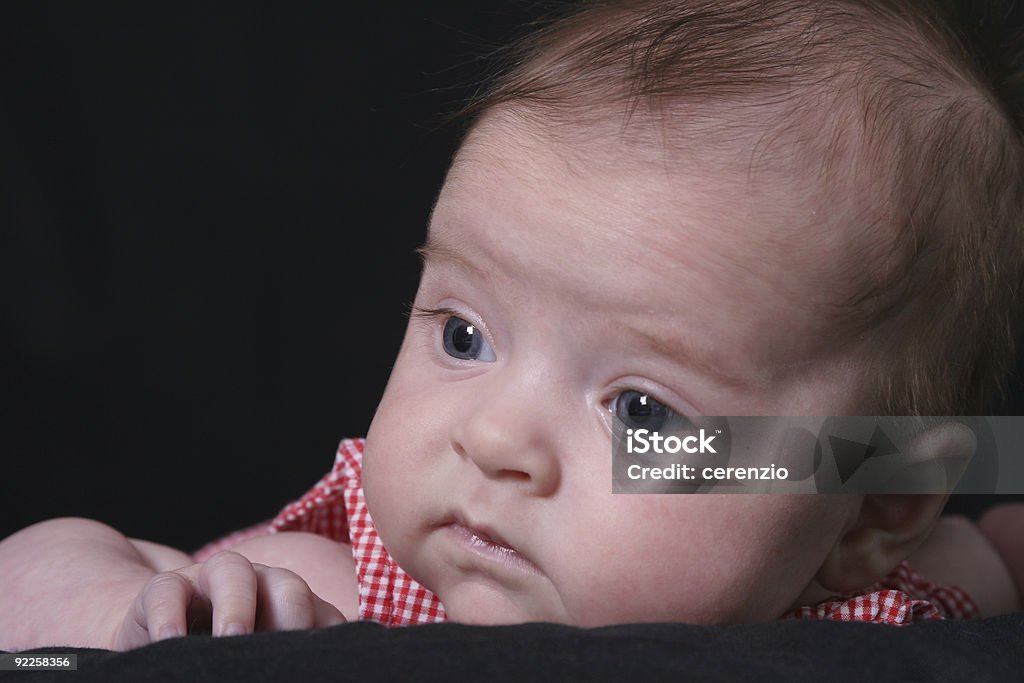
x,y
890,97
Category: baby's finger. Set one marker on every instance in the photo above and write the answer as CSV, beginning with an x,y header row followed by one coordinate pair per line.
x,y
326,614
229,581
285,600
160,608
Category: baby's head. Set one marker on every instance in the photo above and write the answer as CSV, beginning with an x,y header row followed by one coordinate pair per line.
x,y
712,208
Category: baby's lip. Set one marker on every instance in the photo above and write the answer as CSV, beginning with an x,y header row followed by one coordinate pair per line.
x,y
484,539
483,532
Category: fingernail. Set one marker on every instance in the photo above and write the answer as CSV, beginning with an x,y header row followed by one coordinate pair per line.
x,y
233,629
168,631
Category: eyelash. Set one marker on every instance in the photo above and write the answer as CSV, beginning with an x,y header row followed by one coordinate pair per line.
x,y
433,313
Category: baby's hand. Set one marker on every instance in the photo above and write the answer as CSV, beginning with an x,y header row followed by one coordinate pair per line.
x,y
226,595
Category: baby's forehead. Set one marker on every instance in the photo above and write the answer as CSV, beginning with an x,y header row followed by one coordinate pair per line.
x,y
821,238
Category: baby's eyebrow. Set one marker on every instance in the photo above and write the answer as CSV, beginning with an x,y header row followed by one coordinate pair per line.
x,y
686,352
433,251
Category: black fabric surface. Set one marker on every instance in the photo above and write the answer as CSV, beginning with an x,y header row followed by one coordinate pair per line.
x,y
982,650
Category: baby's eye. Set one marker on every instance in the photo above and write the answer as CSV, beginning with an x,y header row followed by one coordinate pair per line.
x,y
639,410
465,341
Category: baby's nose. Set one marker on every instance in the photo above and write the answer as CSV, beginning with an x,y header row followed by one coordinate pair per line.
x,y
510,442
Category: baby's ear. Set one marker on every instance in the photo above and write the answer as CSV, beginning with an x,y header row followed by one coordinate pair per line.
x,y
889,527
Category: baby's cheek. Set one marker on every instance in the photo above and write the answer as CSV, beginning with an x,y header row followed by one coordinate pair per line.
x,y
382,474
776,547
638,583
703,559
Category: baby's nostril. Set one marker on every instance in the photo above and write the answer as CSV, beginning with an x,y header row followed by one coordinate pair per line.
x,y
514,474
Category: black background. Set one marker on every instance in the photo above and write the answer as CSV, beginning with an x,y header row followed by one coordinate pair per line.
x,y
186,190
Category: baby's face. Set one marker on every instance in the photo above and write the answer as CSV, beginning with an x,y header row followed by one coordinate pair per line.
x,y
559,287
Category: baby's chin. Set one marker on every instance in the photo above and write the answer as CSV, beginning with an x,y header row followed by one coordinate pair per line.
x,y
482,605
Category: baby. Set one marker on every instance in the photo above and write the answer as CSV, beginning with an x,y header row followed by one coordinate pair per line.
x,y
726,207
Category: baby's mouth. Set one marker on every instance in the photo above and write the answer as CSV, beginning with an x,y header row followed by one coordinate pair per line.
x,y
488,543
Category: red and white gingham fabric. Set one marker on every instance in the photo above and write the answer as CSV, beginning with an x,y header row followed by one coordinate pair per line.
x,y
335,508
902,597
